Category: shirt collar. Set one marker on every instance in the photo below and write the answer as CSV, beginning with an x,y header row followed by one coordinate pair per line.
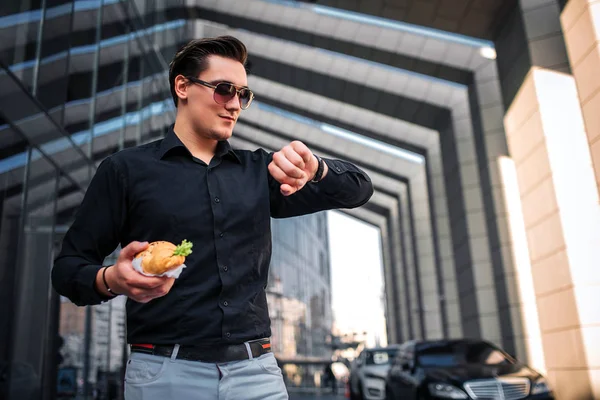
x,y
225,149
172,141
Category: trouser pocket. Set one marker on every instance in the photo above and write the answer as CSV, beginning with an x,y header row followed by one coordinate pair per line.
x,y
145,377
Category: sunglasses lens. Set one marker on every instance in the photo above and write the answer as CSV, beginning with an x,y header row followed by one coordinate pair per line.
x,y
245,98
224,92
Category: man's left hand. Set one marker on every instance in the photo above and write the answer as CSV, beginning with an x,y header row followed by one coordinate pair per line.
x,y
293,166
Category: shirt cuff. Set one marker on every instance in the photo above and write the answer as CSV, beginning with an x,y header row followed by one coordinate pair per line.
x,y
332,182
86,284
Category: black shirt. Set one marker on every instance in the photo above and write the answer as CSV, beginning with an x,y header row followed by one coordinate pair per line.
x,y
159,191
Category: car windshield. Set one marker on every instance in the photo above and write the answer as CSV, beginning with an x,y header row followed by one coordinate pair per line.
x,y
380,357
456,354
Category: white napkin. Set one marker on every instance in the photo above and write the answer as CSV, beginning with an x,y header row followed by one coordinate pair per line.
x,y
172,273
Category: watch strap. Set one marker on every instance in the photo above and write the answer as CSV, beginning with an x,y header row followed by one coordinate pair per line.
x,y
320,169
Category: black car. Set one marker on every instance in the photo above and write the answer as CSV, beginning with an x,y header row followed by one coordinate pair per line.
x,y
461,369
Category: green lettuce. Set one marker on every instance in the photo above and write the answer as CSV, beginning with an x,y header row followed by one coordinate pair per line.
x,y
184,249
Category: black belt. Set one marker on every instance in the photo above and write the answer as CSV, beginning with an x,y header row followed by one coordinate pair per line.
x,y
211,354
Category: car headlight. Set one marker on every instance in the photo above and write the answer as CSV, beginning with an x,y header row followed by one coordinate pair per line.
x,y
446,391
540,386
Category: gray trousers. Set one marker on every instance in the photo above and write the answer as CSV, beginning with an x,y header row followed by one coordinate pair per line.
x,y
150,377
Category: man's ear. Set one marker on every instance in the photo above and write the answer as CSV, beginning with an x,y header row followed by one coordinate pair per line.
x,y
181,86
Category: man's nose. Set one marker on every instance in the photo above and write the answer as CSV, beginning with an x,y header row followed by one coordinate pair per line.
x,y
235,103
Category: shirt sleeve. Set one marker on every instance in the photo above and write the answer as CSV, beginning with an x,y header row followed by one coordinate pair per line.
x,y
93,235
344,186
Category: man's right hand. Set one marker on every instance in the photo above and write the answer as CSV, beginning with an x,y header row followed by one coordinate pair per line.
x,y
123,279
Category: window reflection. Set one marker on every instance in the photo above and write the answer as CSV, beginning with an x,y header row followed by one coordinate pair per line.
x,y
456,354
70,76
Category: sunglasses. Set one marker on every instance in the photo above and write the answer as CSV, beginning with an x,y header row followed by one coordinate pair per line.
x,y
225,91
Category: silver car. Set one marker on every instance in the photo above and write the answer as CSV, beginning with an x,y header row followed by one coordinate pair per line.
x,y
368,372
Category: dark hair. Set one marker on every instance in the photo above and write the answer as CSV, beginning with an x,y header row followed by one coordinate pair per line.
x,y
191,59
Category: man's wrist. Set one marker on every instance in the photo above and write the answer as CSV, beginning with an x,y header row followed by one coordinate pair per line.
x,y
320,172
104,282
109,287
325,170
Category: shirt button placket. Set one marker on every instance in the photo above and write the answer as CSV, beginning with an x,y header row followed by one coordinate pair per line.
x,y
218,214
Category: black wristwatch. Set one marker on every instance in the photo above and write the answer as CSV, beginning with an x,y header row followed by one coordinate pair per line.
x,y
319,174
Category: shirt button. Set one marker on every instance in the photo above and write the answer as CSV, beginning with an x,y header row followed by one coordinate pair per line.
x,y
225,303
221,234
228,334
338,169
217,200
225,268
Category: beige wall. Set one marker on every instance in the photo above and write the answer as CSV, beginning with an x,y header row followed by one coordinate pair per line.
x,y
548,143
72,319
581,26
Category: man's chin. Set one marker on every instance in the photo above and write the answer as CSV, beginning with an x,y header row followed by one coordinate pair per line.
x,y
221,135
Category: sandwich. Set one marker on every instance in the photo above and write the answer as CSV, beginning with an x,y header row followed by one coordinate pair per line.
x,y
162,256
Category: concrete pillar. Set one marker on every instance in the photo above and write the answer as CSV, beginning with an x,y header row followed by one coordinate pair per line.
x,y
431,314
556,184
391,310
581,26
547,141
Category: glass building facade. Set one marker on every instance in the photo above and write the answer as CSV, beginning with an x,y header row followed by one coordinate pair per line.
x,y
80,80
299,291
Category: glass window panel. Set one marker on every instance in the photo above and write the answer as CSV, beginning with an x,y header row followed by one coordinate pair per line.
x,y
85,24
86,34
114,22
37,127
34,260
55,3
11,145
18,46
79,85
53,78
16,6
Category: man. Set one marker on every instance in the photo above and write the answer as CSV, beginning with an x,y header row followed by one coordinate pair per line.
x,y
206,334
